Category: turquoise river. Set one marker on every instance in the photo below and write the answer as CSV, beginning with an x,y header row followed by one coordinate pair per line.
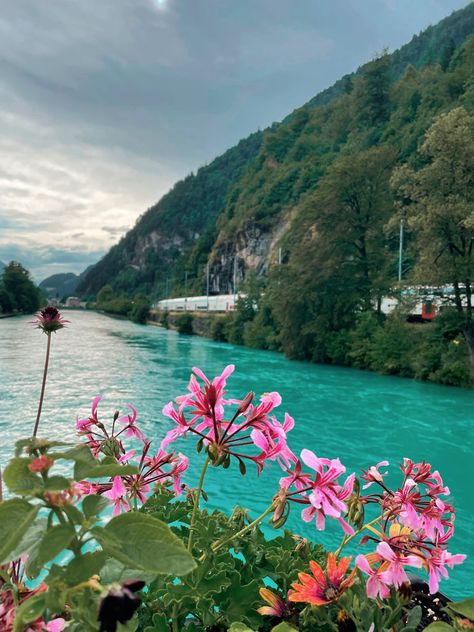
x,y
357,416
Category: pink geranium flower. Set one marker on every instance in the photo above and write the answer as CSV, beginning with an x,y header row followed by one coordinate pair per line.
x,y
202,412
436,560
395,573
372,475
117,494
321,492
376,587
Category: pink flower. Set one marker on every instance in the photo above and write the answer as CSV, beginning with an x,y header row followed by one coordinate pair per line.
x,y
117,494
249,426
395,573
55,625
327,496
321,492
372,475
84,425
375,585
208,401
180,430
436,561
131,430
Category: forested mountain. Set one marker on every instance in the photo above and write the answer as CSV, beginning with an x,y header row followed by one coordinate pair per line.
x,y
322,193
60,285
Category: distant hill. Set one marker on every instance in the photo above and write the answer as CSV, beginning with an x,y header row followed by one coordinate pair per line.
x,y
63,284
2,265
60,285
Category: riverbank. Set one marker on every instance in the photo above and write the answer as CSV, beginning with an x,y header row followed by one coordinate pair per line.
x,y
428,352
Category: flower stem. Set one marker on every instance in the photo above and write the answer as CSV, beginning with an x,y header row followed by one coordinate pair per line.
x,y
346,539
196,504
43,386
218,545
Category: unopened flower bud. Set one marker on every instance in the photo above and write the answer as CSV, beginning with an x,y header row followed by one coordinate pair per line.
x,y
41,464
119,605
245,403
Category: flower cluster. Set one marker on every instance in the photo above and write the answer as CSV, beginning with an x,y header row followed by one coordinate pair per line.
x,y
321,492
414,529
10,601
414,522
128,490
202,412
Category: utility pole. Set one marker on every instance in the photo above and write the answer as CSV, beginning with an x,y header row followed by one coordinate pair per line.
x,y
185,290
207,286
235,278
400,253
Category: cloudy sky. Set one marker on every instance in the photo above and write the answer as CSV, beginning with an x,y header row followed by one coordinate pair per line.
x,y
104,104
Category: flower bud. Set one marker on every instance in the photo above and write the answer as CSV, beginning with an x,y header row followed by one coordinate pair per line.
x,y
119,605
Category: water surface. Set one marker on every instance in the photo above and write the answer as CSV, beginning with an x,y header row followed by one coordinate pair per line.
x,y
355,415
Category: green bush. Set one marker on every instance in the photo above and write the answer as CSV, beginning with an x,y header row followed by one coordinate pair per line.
x,y
184,323
218,328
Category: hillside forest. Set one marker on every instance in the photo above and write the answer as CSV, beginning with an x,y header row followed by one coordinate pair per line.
x,y
307,213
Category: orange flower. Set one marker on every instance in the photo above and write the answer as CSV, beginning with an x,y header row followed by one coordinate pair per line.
x,y
323,588
277,607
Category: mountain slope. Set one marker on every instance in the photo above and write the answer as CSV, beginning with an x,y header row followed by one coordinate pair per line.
x,y
245,206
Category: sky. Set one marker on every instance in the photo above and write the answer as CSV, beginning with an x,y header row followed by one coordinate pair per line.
x,y
105,104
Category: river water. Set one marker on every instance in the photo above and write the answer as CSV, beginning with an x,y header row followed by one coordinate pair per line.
x,y
357,416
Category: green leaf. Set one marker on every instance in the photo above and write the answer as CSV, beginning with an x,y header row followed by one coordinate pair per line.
x,y
93,505
438,626
283,627
143,542
29,611
16,517
82,457
74,514
31,539
239,627
54,541
19,479
57,483
80,569
114,571
465,608
160,623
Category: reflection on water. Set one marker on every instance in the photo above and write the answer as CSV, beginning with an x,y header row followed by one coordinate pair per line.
x,y
359,416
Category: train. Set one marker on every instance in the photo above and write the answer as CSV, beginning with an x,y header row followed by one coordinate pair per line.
x,y
217,303
422,303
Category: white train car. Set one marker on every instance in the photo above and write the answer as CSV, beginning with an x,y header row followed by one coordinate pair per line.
x,y
218,303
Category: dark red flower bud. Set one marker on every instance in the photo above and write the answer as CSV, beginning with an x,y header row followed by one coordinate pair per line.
x,y
119,605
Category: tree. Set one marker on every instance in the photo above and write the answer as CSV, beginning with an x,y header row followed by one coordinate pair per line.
x,y
342,264
373,92
19,292
439,202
